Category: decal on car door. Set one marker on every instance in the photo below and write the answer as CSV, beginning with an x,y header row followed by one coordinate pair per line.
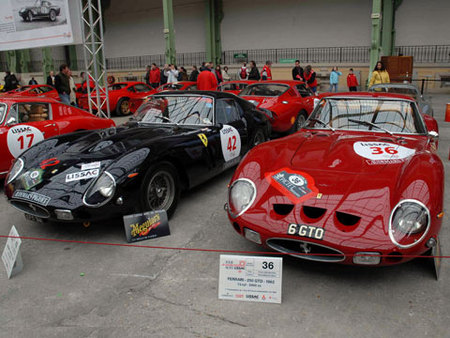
x,y
22,137
231,142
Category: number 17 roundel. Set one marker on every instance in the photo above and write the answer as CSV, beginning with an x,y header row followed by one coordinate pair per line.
x,y
231,142
22,137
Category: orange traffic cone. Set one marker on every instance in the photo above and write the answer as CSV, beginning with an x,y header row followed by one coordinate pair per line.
x,y
447,113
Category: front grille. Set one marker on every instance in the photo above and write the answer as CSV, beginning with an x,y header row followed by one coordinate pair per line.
x,y
31,208
305,250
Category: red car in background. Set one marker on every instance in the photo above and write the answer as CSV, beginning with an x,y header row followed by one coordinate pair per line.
x,y
234,87
120,95
25,121
137,100
35,91
289,102
361,183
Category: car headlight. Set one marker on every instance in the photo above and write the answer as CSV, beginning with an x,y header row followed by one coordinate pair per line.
x,y
101,191
409,223
241,195
15,170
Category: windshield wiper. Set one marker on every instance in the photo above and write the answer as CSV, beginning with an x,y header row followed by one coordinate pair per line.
x,y
367,123
323,124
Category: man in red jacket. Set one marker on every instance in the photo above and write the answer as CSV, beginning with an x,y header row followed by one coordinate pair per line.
x,y
206,80
155,76
352,81
266,71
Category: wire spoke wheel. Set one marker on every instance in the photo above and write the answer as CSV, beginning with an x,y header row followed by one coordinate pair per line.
x,y
161,190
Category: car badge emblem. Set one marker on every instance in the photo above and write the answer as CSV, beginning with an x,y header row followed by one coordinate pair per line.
x,y
305,247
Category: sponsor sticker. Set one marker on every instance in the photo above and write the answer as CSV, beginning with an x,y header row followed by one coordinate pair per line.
x,y
297,186
231,142
31,178
92,165
382,152
22,137
82,175
147,225
250,278
32,197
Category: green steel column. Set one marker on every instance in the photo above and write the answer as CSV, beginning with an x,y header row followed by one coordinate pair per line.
x,y
11,60
388,27
376,34
214,17
72,57
24,60
218,16
47,61
169,31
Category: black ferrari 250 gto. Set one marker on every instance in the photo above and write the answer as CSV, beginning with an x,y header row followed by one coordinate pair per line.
x,y
174,142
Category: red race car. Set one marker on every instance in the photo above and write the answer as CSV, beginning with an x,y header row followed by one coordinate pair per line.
x,y
234,87
289,102
361,183
120,95
25,121
35,91
137,100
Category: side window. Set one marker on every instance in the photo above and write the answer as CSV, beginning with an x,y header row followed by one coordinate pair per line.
x,y
131,89
141,88
45,89
30,112
226,111
303,91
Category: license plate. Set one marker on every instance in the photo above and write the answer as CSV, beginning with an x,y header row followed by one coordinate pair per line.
x,y
33,218
304,230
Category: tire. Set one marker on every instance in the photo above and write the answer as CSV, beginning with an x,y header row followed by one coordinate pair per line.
x,y
161,188
123,107
299,121
258,137
52,15
30,16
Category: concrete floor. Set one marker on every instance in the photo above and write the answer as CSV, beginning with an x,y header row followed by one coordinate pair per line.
x,y
134,292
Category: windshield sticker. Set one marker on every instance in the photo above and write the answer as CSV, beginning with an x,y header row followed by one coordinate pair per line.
x,y
296,185
92,165
21,138
32,197
204,139
82,175
231,142
381,152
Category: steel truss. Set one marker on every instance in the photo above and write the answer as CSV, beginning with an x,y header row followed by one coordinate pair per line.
x,y
94,56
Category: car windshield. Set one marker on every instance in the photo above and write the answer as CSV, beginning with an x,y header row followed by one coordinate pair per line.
x,y
264,89
22,89
381,115
184,110
3,109
397,90
117,86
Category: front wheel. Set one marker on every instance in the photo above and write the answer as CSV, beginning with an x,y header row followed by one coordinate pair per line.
x,y
52,15
30,16
123,107
299,121
161,188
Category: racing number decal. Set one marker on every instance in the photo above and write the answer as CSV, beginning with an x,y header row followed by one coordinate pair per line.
x,y
381,151
231,142
22,137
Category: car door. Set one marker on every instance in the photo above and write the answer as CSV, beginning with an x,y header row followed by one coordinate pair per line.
x,y
26,124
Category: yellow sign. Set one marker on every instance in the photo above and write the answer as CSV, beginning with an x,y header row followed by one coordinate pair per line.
x,y
204,139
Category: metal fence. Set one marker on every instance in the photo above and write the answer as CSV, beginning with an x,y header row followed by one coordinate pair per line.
x,y
426,54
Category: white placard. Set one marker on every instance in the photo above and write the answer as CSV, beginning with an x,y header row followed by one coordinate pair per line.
x,y
382,151
11,255
231,142
22,137
92,165
250,278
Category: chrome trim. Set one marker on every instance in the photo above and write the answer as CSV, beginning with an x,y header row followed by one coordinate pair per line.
x,y
10,179
391,236
107,198
251,202
20,205
310,258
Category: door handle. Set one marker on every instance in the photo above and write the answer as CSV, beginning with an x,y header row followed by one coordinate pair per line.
x,y
49,125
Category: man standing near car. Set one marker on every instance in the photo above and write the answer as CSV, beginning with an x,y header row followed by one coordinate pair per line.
x,y
206,79
51,79
297,71
155,76
10,82
62,83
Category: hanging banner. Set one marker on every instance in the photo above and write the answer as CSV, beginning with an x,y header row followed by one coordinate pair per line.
x,y
38,23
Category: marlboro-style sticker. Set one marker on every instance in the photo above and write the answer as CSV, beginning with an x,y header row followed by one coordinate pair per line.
x,y
296,185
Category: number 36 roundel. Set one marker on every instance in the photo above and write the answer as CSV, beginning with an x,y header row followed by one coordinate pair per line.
x,y
231,142
22,137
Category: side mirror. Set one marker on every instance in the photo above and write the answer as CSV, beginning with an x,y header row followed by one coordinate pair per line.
x,y
434,135
11,120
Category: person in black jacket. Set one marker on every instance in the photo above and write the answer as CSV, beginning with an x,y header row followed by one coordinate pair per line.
x,y
10,82
297,71
62,83
194,74
254,72
51,79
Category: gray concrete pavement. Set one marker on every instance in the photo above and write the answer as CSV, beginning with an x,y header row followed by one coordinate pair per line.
x,y
139,292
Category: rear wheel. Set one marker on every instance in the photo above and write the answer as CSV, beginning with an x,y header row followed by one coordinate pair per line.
x,y
123,107
52,15
30,16
258,137
299,121
161,188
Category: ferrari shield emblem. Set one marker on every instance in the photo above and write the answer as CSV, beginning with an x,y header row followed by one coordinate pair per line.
x,y
203,138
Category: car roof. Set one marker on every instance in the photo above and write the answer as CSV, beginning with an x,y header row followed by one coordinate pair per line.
x,y
287,82
375,95
238,81
21,98
128,83
213,93
395,85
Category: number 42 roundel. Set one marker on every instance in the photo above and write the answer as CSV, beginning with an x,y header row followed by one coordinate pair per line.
x,y
231,142
22,137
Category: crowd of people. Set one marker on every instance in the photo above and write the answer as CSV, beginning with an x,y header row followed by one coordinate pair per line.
x,y
207,77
